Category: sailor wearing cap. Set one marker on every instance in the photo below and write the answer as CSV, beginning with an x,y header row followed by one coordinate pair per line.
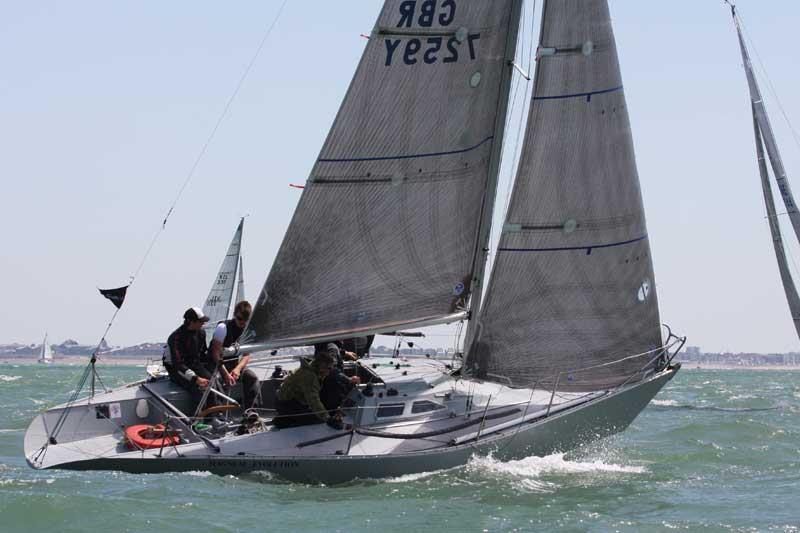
x,y
185,355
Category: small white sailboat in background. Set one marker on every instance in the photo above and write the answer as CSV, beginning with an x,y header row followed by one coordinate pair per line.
x,y
46,353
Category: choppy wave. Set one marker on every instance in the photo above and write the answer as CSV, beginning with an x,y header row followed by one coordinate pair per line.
x,y
9,378
532,473
671,404
409,478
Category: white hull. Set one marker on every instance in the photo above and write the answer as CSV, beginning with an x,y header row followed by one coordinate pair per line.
x,y
343,456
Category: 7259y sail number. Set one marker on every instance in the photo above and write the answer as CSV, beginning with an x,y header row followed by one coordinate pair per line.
x,y
433,50
425,14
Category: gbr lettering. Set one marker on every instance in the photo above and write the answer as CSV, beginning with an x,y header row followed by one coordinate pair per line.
x,y
434,49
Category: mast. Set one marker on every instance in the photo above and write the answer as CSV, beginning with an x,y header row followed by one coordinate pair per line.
x,y
789,287
482,248
767,133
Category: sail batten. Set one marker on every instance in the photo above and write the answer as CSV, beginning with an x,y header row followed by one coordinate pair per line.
x,y
572,285
387,226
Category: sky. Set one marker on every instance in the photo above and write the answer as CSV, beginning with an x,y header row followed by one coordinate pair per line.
x,y
105,106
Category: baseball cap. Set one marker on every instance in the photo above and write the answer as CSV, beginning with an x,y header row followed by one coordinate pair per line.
x,y
194,314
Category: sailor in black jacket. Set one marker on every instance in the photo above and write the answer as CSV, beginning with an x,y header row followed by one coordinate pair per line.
x,y
185,357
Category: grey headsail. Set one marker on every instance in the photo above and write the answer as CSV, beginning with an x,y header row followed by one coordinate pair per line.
x,y
219,298
572,284
385,233
240,282
775,229
767,134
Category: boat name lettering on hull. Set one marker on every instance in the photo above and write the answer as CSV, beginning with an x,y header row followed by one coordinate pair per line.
x,y
251,464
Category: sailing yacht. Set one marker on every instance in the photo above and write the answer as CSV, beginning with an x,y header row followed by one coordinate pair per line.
x,y
563,341
46,353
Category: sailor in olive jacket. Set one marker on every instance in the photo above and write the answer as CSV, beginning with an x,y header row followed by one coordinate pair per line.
x,y
298,398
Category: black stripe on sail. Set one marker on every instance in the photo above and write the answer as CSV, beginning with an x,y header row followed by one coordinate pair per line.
x,y
117,296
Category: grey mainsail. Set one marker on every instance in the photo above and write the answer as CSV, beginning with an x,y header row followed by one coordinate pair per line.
x,y
789,287
218,303
572,285
386,231
767,133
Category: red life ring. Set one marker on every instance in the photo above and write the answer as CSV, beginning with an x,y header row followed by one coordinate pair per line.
x,y
145,437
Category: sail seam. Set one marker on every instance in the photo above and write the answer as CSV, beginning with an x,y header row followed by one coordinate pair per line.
x,y
579,95
412,156
588,248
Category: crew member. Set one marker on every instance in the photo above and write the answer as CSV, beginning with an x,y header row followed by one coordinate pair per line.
x,y
233,368
336,385
185,356
299,402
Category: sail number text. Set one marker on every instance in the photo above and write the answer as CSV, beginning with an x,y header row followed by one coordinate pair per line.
x,y
429,50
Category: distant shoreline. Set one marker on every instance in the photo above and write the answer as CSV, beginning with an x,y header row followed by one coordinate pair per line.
x,y
693,365
126,360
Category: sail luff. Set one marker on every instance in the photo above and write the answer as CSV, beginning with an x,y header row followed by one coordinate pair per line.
x,y
767,133
483,242
789,287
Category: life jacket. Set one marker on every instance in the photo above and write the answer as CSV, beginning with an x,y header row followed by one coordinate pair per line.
x,y
232,334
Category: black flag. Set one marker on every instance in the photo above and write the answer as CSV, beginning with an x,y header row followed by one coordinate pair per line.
x,y
117,296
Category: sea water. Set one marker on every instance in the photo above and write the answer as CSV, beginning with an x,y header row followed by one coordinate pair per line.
x,y
716,451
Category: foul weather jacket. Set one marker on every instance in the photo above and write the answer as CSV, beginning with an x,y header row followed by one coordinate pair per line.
x,y
303,385
186,354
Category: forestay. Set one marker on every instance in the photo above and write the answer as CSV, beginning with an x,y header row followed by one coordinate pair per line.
x,y
573,284
219,298
386,229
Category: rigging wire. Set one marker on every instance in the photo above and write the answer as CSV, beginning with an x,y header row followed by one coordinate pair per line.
x,y
770,85
197,161
774,94
90,368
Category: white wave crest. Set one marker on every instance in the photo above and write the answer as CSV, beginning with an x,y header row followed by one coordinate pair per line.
x,y
528,472
665,403
410,478
9,378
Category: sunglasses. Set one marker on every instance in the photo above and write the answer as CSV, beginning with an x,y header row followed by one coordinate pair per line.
x,y
240,318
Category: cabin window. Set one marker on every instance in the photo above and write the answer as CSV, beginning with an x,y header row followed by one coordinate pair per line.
x,y
390,409
425,406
